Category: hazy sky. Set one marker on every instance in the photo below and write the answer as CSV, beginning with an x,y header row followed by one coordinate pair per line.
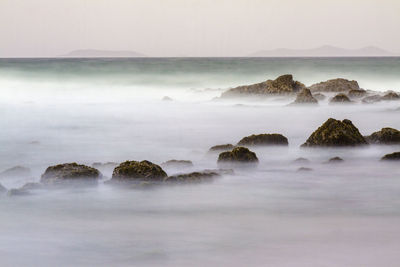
x,y
194,27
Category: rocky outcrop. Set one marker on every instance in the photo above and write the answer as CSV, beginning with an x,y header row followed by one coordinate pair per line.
x,y
280,86
225,147
335,85
386,136
305,97
69,172
238,155
335,133
133,171
392,156
177,164
340,98
17,171
264,140
390,96
357,93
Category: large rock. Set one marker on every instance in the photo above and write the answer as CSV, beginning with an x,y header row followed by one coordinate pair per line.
x,y
340,98
70,172
264,140
17,171
305,97
335,85
335,133
392,156
129,171
282,85
239,155
385,136
225,147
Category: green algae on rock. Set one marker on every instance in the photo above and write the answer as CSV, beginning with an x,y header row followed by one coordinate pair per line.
x,y
264,140
69,172
138,171
238,154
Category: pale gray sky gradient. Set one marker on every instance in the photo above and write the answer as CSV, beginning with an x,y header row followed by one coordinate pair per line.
x,y
34,28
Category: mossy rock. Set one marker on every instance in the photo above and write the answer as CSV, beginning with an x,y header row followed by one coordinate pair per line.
x,y
193,177
138,171
305,97
264,140
224,147
335,133
392,156
340,98
70,172
385,136
238,154
335,85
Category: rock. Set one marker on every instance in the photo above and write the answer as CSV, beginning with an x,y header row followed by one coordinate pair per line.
x,y
17,171
319,96
390,96
225,147
335,133
392,156
280,86
335,160
371,99
133,171
17,192
2,189
301,160
385,136
167,98
335,85
238,154
70,172
302,169
177,163
264,140
192,177
305,97
340,98
357,93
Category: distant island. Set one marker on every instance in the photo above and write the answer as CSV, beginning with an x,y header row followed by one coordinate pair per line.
x,y
101,53
325,51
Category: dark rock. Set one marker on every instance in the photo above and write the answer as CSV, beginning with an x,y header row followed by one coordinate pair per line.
x,y
70,172
264,140
303,169
371,99
340,98
192,177
282,85
335,133
166,98
129,171
17,171
385,136
305,97
225,147
357,93
177,163
335,160
17,192
391,96
301,160
392,156
238,154
335,85
319,96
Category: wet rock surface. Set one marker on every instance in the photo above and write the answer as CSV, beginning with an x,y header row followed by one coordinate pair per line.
x,y
385,136
335,133
335,85
264,140
129,171
70,172
238,154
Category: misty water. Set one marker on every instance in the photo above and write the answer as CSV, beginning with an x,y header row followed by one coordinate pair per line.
x,y
111,110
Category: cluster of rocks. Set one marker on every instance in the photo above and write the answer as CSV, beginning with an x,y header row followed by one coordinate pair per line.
x,y
346,91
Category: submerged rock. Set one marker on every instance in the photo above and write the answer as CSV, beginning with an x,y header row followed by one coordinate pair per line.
x,y
392,156
385,136
319,96
238,154
17,171
129,171
335,85
70,172
391,96
192,177
264,140
335,133
304,169
177,163
305,97
222,147
357,93
335,160
340,98
301,160
282,85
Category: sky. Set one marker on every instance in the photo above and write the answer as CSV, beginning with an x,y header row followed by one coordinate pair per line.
x,y
46,28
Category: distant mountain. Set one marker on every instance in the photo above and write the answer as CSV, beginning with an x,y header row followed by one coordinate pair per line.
x,y
324,51
101,53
